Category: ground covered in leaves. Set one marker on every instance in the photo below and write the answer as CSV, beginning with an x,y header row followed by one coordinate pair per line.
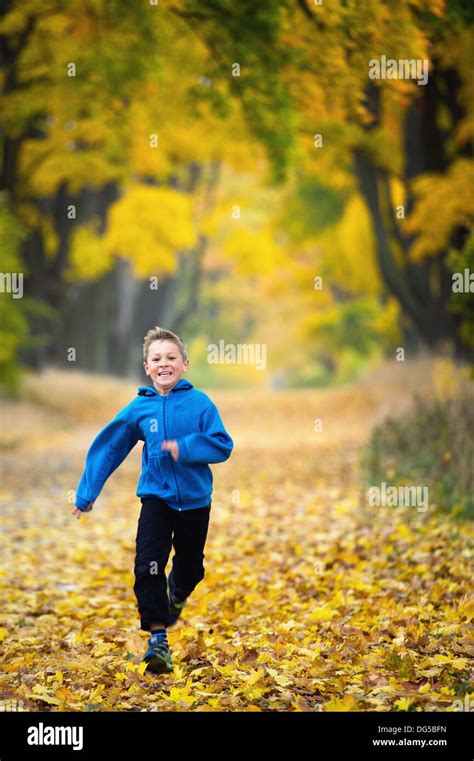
x,y
312,600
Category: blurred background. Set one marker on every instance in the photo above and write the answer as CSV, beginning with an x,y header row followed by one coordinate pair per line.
x,y
231,172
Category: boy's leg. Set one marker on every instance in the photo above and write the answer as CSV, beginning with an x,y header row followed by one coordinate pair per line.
x,y
153,547
190,533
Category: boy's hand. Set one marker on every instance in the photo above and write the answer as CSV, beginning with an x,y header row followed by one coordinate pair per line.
x,y
171,445
78,512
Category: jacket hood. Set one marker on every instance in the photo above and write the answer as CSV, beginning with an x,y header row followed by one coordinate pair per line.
x,y
182,385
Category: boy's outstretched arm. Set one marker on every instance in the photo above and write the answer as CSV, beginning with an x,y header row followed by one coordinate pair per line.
x,y
211,444
108,450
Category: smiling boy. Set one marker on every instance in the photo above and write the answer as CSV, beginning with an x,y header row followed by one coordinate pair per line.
x,y
182,433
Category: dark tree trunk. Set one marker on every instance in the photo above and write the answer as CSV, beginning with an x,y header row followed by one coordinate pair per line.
x,y
44,278
423,289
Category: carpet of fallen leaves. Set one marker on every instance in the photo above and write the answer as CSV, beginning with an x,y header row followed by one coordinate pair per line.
x,y
312,600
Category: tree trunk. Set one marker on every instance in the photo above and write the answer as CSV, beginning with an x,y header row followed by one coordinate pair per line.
x,y
423,289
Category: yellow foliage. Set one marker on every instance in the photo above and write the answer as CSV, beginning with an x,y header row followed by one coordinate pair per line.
x,y
455,51
347,703
322,614
443,203
386,320
252,252
147,226
89,258
58,163
349,250
403,704
283,637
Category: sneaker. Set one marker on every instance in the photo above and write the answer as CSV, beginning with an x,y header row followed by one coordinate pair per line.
x,y
158,656
174,607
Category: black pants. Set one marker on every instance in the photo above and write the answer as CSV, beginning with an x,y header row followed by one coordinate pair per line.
x,y
159,528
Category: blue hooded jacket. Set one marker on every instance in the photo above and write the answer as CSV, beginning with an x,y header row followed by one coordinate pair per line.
x,y
185,414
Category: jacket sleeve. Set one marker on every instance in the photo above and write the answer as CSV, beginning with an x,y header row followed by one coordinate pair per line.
x,y
211,444
108,450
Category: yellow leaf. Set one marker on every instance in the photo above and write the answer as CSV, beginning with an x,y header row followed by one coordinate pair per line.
x,y
45,698
102,649
403,532
458,663
252,693
181,693
346,703
403,704
254,676
322,614
179,673
40,689
3,634
96,695
280,679
106,621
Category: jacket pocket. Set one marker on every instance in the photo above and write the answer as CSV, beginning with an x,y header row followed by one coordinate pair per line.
x,y
194,480
159,477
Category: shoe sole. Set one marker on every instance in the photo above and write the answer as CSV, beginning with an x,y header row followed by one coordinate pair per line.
x,y
157,665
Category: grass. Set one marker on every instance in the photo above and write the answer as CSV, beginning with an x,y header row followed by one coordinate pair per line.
x,y
431,445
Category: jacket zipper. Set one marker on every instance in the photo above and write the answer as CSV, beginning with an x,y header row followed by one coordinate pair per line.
x,y
178,493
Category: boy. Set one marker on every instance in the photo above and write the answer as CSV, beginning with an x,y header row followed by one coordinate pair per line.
x,y
182,433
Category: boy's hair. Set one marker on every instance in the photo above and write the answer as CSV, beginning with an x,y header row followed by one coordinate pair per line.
x,y
161,334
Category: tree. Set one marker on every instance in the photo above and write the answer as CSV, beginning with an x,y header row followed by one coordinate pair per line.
x,y
385,134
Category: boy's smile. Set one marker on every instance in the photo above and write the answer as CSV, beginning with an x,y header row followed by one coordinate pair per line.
x,y
165,365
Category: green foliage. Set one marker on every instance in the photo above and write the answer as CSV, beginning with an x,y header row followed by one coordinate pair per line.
x,y
311,209
16,314
460,11
349,332
430,446
354,326
13,322
330,370
249,34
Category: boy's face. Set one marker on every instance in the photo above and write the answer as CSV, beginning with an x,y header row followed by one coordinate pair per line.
x,y
165,365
